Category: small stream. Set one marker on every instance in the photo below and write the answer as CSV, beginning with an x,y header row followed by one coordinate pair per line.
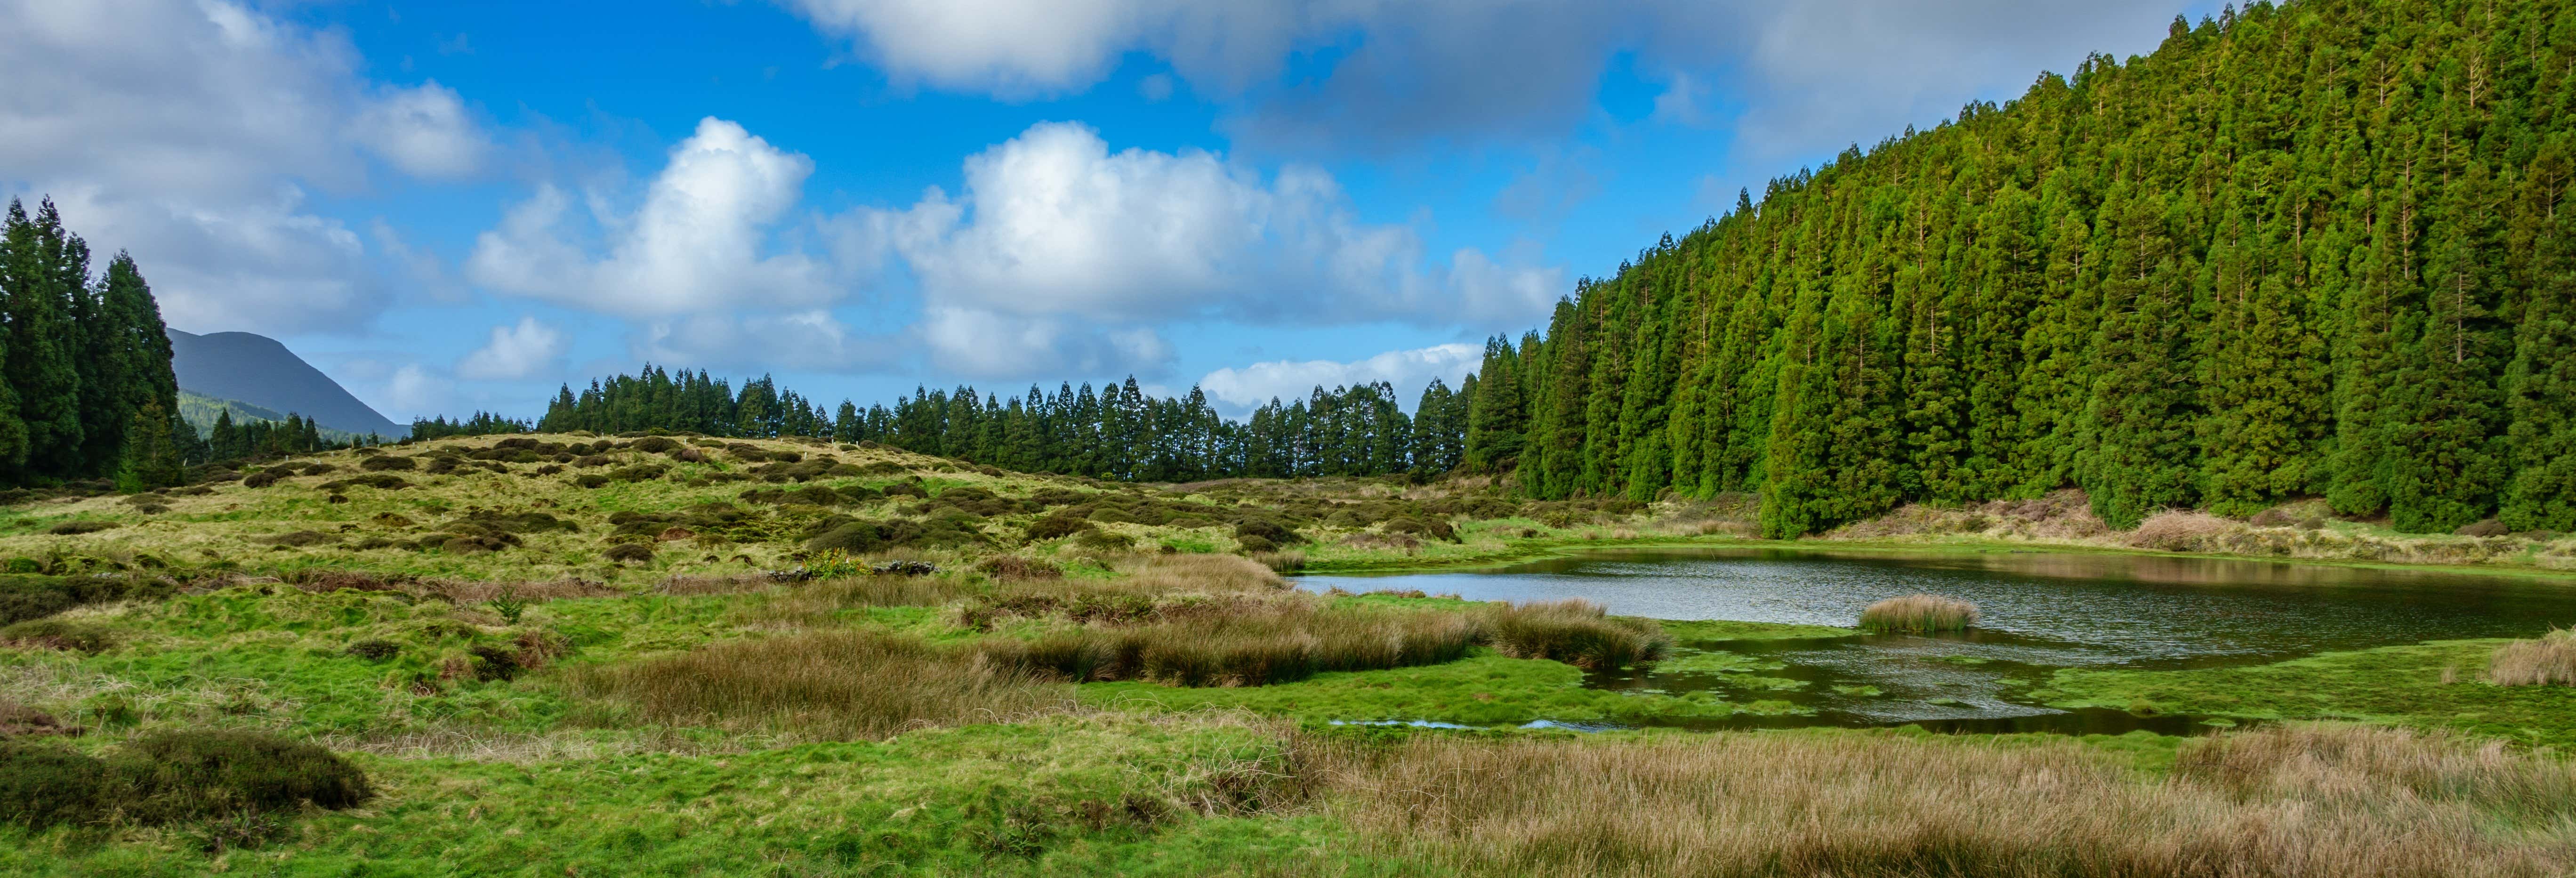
x,y
2043,611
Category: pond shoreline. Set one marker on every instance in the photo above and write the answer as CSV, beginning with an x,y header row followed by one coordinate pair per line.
x,y
1534,550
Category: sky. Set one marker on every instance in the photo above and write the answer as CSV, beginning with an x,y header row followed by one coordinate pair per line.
x,y
458,206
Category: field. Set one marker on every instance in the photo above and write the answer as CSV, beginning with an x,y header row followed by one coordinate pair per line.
x,y
645,655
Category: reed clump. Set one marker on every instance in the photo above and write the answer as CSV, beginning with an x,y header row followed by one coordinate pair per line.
x,y
1239,643
2293,802
1918,614
1577,632
2547,660
823,685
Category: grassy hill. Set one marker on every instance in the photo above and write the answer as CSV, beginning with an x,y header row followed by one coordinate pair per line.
x,y
569,653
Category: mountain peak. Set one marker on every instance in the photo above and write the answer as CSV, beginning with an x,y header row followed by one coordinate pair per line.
x,y
259,370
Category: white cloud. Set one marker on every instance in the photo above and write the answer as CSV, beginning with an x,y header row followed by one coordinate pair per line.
x,y
416,392
187,133
1408,371
1410,70
514,353
985,344
811,340
699,241
1058,245
425,131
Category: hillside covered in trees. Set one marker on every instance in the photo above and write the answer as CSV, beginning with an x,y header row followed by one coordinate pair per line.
x,y
2306,250
1119,432
2314,249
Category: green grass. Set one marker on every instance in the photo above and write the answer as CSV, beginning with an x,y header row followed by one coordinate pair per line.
x,y
1485,689
2394,684
1048,797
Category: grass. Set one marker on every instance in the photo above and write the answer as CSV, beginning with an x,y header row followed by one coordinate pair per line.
x,y
525,702
2549,659
820,685
2435,685
2289,802
1918,614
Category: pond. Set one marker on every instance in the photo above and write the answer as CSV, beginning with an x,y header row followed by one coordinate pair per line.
x,y
2043,611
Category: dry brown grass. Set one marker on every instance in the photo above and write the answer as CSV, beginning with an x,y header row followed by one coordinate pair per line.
x,y
2547,660
1236,642
1577,632
1918,614
821,685
2289,802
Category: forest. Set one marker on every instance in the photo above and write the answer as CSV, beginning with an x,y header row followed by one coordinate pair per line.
x,y
86,390
2343,274
1117,432
2310,250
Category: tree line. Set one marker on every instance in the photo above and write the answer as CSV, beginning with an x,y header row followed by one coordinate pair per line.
x,y
1116,431
2319,249
86,390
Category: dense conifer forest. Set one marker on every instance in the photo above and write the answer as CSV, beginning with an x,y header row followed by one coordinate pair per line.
x,y
86,390
2307,250
1118,432
2315,249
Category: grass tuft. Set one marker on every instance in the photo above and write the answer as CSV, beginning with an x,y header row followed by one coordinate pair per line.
x,y
2547,660
822,685
1918,614
1577,632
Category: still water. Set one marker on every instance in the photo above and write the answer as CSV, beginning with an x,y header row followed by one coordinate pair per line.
x,y
2042,611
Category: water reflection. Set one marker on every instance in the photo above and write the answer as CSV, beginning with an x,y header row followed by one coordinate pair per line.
x,y
2043,612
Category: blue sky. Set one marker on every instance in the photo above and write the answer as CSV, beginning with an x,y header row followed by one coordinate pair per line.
x,y
454,206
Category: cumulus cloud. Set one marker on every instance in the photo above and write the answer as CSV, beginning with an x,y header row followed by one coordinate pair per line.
x,y
809,340
188,131
1056,243
1406,70
1408,371
425,131
700,240
526,350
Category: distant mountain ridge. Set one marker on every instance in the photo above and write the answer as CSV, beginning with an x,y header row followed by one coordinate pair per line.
x,y
257,370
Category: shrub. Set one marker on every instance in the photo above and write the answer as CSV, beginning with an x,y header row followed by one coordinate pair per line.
x,y
655,445
58,634
44,785
629,553
1278,533
1016,567
1105,540
219,772
590,480
386,481
264,478
2487,528
1577,632
2549,659
300,538
1055,526
1425,527
1255,546
374,650
1918,614
80,526
384,462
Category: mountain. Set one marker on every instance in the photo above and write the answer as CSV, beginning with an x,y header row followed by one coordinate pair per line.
x,y
2315,249
256,370
200,412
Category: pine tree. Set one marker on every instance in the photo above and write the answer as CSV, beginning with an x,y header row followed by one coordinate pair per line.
x,y
151,457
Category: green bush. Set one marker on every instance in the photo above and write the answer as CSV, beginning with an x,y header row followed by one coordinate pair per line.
x,y
43,785
383,462
1055,526
629,553
80,526
179,775
58,634
1276,532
